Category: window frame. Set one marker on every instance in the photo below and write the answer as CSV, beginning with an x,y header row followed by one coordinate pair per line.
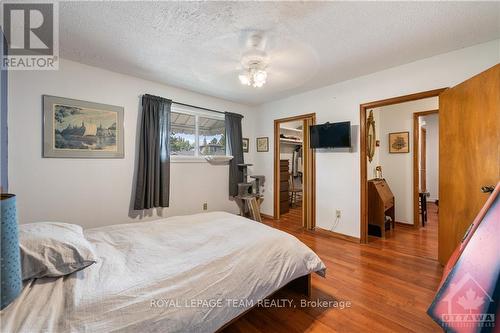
x,y
197,113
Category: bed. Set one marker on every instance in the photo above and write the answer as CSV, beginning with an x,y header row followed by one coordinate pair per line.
x,y
191,273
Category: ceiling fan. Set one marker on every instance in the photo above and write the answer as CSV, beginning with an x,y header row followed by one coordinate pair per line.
x,y
254,62
254,58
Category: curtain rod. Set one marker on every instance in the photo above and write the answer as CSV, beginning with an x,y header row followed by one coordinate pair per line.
x,y
194,106
197,107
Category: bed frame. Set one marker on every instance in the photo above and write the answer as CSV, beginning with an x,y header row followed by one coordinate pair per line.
x,y
300,285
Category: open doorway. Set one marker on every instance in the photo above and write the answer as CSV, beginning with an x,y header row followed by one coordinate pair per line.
x,y
399,151
291,168
294,171
426,167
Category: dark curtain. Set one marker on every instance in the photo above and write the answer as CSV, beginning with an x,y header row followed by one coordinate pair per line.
x,y
235,146
153,171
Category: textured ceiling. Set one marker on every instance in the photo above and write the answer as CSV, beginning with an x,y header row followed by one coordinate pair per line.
x,y
198,45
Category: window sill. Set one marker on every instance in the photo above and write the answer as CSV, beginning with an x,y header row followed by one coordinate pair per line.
x,y
192,159
218,159
187,159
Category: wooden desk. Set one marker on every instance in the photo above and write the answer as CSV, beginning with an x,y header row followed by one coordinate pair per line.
x,y
380,204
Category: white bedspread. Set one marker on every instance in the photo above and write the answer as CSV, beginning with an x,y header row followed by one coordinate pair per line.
x,y
170,275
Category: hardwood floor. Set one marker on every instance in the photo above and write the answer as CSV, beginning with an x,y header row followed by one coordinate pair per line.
x,y
390,283
406,239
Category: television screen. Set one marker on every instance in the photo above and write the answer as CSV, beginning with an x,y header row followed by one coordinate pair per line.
x,y
331,135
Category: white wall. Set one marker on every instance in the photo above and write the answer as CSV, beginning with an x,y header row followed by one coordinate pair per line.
x,y
398,168
95,192
338,172
432,156
98,192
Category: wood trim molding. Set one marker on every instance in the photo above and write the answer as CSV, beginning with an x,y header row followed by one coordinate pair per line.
x,y
309,176
404,225
293,118
269,217
276,179
404,98
309,160
345,237
329,233
416,155
363,153
426,113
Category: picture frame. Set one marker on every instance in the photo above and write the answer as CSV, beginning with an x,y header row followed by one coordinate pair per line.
x,y
262,144
399,142
246,144
79,129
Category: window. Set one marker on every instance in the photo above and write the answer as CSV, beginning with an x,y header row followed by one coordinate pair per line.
x,y
195,132
212,134
182,134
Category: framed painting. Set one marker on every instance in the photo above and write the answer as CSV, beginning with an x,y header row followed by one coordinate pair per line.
x,y
80,129
263,144
399,142
246,143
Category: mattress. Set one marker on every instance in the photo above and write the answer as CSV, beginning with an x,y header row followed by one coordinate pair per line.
x,y
180,274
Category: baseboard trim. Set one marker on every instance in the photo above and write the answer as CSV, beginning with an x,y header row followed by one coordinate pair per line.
x,y
405,225
269,217
338,235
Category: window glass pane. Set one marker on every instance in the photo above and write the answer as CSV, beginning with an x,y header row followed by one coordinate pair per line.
x,y
182,134
212,136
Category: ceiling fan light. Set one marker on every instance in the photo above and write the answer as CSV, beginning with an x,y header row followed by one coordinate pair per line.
x,y
244,79
260,76
254,75
258,84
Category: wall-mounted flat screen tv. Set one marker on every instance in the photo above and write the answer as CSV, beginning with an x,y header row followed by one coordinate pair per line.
x,y
331,135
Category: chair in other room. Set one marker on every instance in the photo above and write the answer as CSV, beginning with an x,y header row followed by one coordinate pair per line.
x,y
423,206
295,191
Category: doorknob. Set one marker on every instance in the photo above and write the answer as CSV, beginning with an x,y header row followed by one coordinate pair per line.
x,y
487,189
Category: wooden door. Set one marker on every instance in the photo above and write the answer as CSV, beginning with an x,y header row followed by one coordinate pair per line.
x,y
469,126
423,160
309,177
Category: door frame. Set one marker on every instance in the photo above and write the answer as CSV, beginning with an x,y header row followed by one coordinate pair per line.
x,y
416,158
363,151
422,158
309,170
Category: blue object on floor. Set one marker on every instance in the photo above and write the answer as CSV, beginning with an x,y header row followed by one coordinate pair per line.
x,y
10,272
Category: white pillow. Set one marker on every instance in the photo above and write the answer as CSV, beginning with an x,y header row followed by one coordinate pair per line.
x,y
53,249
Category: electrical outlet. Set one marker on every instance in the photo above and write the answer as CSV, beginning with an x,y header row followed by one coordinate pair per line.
x,y
338,213
205,206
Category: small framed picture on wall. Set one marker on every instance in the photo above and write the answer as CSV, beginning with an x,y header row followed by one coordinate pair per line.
x,y
263,144
246,143
399,142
